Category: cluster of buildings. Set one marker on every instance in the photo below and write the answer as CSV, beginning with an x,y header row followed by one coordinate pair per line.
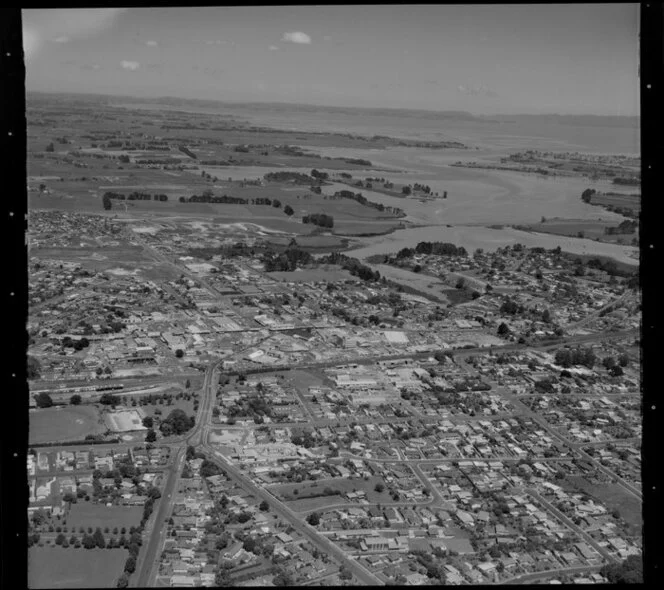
x,y
219,534
93,474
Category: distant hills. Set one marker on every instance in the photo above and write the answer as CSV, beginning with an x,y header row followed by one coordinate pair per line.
x,y
577,120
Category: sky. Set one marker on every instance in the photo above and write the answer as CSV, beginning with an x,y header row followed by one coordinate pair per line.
x,y
484,59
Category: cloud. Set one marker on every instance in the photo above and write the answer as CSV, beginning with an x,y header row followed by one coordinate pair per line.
x,y
90,67
297,37
480,90
130,65
63,25
151,43
219,42
273,48
213,72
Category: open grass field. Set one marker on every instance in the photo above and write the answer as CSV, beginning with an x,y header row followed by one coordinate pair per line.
x,y
320,503
313,274
87,514
67,423
186,405
55,567
613,497
574,227
116,259
355,227
457,296
312,242
344,485
629,201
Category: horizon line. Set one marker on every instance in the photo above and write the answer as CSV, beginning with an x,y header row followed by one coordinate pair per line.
x,y
327,106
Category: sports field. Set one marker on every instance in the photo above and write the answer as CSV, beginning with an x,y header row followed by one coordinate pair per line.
x,y
64,424
55,567
87,514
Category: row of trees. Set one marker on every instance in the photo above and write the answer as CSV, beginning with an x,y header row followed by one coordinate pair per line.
x,y
209,197
320,219
288,176
135,196
80,344
567,357
352,265
435,248
287,260
628,226
360,198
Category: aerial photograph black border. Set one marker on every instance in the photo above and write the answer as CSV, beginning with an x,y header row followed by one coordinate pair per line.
x,y
13,435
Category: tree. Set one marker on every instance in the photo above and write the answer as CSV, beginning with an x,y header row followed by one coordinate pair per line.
x,y
406,190
130,565
69,497
148,421
629,571
34,367
608,362
616,371
379,487
179,353
150,436
503,329
313,519
88,542
623,359
249,544
283,579
345,573
288,210
264,506
564,357
209,468
587,194
546,316
50,147
107,202
43,400
123,581
176,422
98,538
108,399
154,493
75,400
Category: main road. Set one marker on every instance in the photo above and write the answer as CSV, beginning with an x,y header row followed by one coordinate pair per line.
x,y
147,564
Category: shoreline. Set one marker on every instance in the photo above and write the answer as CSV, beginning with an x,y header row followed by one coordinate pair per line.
x,y
490,239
